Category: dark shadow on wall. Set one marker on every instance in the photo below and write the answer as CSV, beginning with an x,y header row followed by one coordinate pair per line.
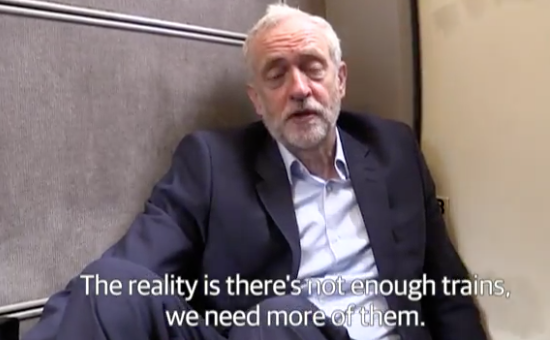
x,y
417,68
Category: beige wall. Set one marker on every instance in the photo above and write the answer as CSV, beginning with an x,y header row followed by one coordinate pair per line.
x,y
486,135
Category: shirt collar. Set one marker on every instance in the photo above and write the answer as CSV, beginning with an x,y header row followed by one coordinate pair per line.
x,y
296,169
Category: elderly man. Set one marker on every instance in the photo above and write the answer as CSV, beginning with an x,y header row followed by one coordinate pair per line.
x,y
281,229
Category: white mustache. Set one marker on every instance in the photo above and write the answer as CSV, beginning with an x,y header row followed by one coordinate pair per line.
x,y
309,106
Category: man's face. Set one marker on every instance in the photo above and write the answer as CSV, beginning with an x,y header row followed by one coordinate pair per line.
x,y
296,87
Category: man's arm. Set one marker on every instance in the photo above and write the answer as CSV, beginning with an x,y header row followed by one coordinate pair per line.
x,y
167,237
449,317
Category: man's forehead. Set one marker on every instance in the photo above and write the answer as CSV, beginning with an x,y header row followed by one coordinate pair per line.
x,y
292,29
297,54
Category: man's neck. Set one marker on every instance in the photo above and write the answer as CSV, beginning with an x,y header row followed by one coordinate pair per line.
x,y
320,160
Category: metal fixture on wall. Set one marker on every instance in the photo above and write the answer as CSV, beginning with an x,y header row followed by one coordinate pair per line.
x,y
23,310
79,15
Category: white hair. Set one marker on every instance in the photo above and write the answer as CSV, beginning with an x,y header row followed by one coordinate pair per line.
x,y
275,13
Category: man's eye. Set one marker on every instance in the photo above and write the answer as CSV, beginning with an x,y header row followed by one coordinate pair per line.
x,y
275,75
315,69
316,72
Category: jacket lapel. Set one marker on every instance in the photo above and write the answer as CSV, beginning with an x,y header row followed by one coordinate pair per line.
x,y
373,200
275,193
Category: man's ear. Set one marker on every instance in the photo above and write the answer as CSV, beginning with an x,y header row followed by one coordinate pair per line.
x,y
254,98
342,78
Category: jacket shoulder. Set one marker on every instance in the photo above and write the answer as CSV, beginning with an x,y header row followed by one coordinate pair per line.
x,y
242,140
375,131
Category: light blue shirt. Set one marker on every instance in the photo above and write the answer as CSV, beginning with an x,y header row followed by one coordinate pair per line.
x,y
334,244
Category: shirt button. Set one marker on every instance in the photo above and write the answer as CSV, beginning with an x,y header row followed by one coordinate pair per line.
x,y
329,187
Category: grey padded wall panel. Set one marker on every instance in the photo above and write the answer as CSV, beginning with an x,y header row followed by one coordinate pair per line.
x,y
90,117
230,15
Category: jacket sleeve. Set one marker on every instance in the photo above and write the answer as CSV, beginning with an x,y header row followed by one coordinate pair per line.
x,y
166,237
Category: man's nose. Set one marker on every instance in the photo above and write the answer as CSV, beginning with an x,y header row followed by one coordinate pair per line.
x,y
299,89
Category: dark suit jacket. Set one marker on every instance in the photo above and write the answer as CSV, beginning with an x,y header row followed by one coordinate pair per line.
x,y
225,207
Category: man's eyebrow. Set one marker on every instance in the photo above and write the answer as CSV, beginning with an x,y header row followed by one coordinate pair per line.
x,y
272,62
312,52
306,53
